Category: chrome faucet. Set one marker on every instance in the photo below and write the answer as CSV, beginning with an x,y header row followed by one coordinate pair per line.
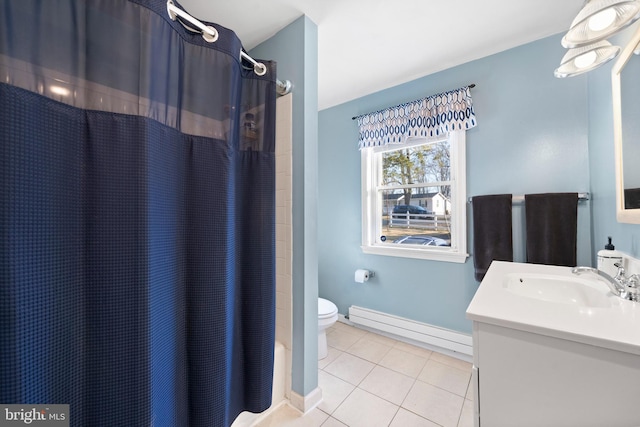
x,y
625,287
632,284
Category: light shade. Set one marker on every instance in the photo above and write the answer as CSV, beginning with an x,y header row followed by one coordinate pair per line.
x,y
586,58
599,19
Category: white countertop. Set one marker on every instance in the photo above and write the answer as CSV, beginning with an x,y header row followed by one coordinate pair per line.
x,y
616,327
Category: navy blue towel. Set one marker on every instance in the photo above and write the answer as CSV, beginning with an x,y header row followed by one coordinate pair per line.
x,y
552,228
492,233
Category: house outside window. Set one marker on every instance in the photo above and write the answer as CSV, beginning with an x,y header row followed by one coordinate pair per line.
x,y
414,177
414,198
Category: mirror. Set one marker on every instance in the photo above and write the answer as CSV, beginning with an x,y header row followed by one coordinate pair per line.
x,y
625,80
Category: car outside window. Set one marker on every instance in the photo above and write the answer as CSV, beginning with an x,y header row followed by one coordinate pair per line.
x,y
414,199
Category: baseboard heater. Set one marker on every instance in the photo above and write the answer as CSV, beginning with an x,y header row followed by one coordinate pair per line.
x,y
416,331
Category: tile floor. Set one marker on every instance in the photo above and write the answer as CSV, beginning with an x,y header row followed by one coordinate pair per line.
x,y
370,380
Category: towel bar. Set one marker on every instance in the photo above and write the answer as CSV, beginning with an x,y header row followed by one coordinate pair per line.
x,y
520,199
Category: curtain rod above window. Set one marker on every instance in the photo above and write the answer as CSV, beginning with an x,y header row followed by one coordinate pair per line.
x,y
471,86
210,34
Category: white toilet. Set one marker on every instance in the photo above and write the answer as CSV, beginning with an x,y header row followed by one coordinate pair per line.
x,y
327,316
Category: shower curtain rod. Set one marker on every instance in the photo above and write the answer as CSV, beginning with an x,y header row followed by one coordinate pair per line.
x,y
210,34
471,86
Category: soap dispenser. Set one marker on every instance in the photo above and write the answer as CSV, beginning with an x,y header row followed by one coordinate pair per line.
x,y
607,258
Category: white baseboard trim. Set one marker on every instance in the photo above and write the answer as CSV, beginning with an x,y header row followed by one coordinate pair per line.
x,y
432,337
306,403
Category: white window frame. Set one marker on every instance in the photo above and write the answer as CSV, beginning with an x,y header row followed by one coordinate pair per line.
x,y
371,209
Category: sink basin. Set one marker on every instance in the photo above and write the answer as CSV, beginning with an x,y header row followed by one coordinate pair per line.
x,y
557,289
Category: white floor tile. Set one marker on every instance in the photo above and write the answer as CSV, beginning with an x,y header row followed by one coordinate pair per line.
x,y
334,391
286,416
350,368
371,380
387,384
401,361
363,409
382,339
451,361
351,329
369,349
413,349
342,339
332,354
470,393
446,377
332,422
405,418
466,417
433,403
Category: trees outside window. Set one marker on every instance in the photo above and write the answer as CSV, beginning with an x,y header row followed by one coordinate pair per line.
x,y
414,199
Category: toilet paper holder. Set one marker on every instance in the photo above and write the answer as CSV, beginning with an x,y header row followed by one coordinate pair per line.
x,y
363,275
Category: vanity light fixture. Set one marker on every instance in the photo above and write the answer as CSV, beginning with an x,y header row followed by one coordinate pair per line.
x,y
582,59
585,39
600,19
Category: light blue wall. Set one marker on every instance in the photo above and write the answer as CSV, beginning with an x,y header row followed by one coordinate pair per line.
x,y
535,134
532,137
295,48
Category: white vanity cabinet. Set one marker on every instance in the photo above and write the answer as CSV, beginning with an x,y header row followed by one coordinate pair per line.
x,y
540,363
528,379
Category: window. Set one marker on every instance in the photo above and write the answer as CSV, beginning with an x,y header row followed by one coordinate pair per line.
x,y
414,199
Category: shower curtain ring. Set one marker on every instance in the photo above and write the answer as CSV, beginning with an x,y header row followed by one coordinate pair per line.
x,y
211,36
209,33
260,69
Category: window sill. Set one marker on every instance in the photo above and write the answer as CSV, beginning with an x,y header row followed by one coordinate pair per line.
x,y
433,255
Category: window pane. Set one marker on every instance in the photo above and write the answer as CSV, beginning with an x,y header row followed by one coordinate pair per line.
x,y
419,174
421,164
424,221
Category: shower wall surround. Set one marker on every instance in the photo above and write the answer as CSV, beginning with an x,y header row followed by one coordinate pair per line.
x,y
284,230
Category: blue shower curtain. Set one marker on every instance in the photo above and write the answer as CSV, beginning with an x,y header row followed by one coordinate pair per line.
x,y
137,216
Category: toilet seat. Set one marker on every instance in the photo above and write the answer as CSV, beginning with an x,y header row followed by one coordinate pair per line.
x,y
326,309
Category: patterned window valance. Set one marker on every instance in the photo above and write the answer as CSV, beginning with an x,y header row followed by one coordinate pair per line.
x,y
424,118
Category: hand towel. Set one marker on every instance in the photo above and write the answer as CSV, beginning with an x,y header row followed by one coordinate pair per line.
x,y
632,198
492,233
552,228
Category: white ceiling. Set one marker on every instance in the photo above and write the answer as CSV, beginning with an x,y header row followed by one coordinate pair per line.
x,y
368,45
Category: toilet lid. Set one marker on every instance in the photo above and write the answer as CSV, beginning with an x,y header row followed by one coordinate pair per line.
x,y
326,308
